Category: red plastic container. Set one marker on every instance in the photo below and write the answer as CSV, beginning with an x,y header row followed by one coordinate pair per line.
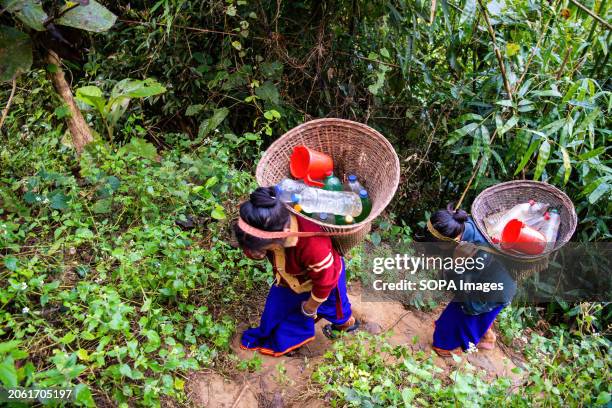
x,y
519,237
310,165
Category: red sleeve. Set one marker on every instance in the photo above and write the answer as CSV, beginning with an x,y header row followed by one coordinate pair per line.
x,y
318,257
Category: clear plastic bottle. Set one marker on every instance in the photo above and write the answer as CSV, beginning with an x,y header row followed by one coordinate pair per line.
x,y
332,183
326,218
366,205
287,187
525,212
353,184
550,228
332,202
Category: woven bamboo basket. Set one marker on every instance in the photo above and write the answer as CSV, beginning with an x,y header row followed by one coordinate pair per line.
x,y
356,149
504,196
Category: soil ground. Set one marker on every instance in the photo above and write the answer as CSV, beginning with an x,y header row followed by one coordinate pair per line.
x,y
283,381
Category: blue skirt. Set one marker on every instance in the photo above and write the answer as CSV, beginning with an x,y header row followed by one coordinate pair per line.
x,y
283,327
454,328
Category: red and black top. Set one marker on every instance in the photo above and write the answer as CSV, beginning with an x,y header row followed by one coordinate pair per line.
x,y
313,258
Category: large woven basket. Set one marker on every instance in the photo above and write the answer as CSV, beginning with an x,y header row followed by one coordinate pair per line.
x,y
504,196
356,149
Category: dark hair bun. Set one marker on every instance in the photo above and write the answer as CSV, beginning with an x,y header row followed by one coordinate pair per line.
x,y
264,197
460,216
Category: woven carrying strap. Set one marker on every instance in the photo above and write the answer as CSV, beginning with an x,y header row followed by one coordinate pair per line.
x,y
293,282
256,232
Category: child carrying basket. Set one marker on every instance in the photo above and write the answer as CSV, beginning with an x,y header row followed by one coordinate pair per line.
x,y
307,253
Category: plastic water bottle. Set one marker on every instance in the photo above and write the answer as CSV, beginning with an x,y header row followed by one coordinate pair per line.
x,y
353,184
287,187
332,183
366,205
326,218
550,228
525,212
314,200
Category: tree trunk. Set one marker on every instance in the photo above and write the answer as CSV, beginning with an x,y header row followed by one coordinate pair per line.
x,y
80,131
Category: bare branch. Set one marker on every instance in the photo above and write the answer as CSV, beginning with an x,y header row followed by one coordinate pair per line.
x,y
498,55
5,111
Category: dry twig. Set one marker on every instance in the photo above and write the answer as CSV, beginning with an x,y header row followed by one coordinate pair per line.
x,y
5,111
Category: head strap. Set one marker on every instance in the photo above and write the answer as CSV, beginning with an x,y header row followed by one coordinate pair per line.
x,y
437,235
256,232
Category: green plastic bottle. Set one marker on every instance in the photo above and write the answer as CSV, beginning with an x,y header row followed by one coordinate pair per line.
x,y
332,183
366,206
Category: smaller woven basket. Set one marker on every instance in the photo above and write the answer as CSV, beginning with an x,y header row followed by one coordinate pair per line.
x,y
504,196
356,149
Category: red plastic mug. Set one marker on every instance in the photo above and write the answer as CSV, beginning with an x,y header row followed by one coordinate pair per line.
x,y
521,238
310,165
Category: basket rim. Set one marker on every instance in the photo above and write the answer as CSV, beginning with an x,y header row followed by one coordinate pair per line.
x,y
394,180
541,185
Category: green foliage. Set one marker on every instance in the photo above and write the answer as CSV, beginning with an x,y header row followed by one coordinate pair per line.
x,y
15,53
117,275
568,370
15,46
124,298
122,93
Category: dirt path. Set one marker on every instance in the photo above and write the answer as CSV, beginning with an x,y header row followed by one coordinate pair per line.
x,y
282,381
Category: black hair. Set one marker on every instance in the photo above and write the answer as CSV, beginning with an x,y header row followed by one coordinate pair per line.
x,y
448,222
264,211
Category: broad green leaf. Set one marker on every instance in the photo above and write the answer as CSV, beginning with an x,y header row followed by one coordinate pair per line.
x,y
193,110
567,165
505,102
208,125
592,153
135,88
601,189
459,133
218,213
10,262
553,127
15,53
102,206
83,396
603,398
142,148
9,346
68,338
468,14
570,92
82,354
543,156
29,12
551,92
8,373
84,233
153,341
268,92
525,87
527,156
58,200
90,16
469,117
92,96
272,114
509,124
